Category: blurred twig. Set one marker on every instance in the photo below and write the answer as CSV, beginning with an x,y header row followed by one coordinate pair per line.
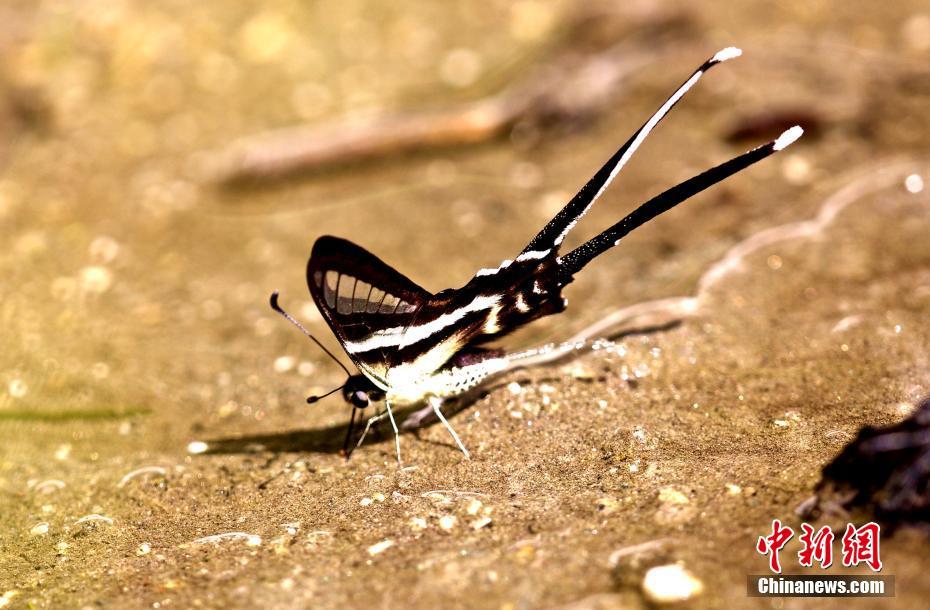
x,y
581,71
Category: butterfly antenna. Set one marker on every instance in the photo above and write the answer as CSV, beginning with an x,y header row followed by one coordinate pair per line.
x,y
314,398
292,320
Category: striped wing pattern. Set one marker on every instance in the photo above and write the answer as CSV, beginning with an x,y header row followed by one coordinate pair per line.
x,y
360,296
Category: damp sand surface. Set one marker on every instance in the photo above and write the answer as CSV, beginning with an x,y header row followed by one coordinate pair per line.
x,y
156,448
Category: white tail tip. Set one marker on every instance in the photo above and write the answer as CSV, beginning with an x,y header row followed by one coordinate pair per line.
x,y
788,137
727,53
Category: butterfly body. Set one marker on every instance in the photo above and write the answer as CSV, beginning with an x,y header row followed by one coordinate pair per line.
x,y
414,347
405,339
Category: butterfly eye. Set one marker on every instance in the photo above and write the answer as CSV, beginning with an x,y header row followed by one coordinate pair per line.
x,y
359,399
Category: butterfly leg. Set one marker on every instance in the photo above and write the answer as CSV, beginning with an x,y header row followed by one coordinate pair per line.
x,y
371,421
435,403
390,413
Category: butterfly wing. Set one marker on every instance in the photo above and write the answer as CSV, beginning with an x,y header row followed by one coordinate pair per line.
x,y
367,303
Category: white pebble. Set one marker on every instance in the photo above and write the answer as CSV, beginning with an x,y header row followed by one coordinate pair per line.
x,y
914,183
17,388
96,279
283,364
39,529
197,447
380,547
670,583
447,522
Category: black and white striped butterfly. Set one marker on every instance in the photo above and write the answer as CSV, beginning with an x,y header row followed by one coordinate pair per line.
x,y
415,347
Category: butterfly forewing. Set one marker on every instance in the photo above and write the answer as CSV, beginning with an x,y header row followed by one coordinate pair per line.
x,y
364,300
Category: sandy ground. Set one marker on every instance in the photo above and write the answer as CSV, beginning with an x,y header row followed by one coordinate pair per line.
x,y
135,318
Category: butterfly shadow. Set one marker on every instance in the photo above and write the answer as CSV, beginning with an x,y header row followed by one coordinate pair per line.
x,y
327,439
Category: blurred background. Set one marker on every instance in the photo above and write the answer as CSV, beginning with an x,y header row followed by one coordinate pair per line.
x,y
165,165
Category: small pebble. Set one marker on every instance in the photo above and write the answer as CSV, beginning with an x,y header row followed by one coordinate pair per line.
x,y
670,495
417,523
365,501
675,507
7,598
514,388
95,279
734,489
581,373
474,505
283,364
40,529
670,583
144,549
914,184
197,447
17,388
477,524
380,547
291,528
447,522
607,505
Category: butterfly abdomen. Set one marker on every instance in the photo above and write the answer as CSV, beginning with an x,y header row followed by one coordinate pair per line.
x,y
524,297
447,382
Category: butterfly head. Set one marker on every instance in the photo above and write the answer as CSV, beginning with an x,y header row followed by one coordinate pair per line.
x,y
359,391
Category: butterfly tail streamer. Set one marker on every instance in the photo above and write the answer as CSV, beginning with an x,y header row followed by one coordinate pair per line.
x,y
574,261
555,231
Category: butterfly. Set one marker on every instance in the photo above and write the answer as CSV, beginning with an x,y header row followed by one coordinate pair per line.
x,y
413,347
